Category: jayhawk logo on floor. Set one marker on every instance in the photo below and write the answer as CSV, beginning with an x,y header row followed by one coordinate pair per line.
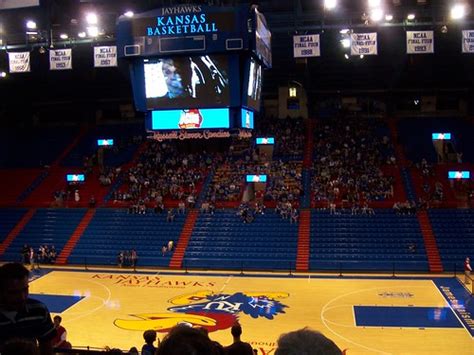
x,y
208,310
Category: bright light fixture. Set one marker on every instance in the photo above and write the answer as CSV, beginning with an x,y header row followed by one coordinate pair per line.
x,y
388,17
63,36
330,4
91,18
374,3
346,56
376,15
344,31
361,56
346,42
31,25
3,74
93,31
458,11
129,14
411,17
82,34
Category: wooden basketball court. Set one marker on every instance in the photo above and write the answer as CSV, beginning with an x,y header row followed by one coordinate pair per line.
x,y
365,314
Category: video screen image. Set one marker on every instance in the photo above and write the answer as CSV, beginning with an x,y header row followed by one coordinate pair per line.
x,y
190,119
75,178
256,178
247,119
182,82
254,88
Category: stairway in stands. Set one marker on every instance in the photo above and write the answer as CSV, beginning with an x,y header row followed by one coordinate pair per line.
x,y
308,149
403,182
76,235
432,252
178,255
302,258
16,230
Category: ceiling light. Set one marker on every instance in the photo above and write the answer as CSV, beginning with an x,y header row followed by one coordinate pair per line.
x,y
93,31
388,17
63,36
374,3
361,56
129,14
346,42
346,56
82,34
3,74
376,15
31,25
411,17
458,11
91,18
330,4
344,31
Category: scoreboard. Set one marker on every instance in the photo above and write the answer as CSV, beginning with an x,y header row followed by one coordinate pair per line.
x,y
196,67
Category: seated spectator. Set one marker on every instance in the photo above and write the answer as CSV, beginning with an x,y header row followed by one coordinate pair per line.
x,y
170,215
238,347
306,341
184,340
181,207
150,338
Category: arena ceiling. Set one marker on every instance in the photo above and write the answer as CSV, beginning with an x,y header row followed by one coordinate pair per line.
x,y
390,71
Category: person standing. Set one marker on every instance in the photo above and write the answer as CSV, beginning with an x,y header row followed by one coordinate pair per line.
x,y
238,347
467,271
21,316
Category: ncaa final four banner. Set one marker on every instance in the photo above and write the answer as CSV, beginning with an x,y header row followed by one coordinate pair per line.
x,y
420,42
364,43
60,59
105,56
306,46
468,41
19,62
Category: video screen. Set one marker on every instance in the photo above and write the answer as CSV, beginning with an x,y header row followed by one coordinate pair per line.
x,y
75,178
459,174
190,119
441,136
256,178
247,119
263,40
265,141
254,87
183,82
105,142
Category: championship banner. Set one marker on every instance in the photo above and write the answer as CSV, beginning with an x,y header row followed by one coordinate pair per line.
x,y
420,42
364,43
105,56
468,41
306,46
60,59
19,62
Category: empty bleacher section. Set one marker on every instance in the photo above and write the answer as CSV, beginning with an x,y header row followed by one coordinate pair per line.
x,y
223,241
46,227
454,232
379,242
415,135
113,230
9,217
33,147
14,183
